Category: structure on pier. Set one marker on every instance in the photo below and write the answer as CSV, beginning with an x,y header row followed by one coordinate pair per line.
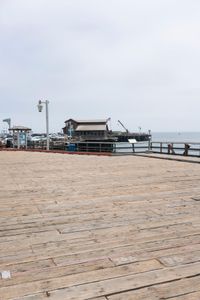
x,y
87,130
20,134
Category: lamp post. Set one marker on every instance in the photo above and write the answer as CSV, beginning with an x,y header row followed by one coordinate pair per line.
x,y
8,121
40,107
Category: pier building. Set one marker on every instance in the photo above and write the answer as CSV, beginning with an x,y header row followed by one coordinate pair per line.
x,y
87,129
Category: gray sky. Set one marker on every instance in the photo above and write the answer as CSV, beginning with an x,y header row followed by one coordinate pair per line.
x,y
133,60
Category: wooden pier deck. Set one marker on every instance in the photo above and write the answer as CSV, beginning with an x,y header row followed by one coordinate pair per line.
x,y
106,228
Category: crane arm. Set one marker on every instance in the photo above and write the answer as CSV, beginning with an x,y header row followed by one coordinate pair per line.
x,y
123,126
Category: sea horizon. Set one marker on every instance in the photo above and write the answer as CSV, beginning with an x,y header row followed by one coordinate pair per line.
x,y
177,136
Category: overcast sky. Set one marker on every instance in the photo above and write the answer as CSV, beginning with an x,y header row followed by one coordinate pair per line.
x,y
133,60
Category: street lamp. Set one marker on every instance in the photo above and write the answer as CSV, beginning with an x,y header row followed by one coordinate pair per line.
x,y
40,107
8,121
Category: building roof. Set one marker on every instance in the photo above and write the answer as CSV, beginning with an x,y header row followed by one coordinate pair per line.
x,y
20,128
104,121
92,121
91,128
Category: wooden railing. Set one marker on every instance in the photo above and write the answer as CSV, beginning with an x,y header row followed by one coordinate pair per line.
x,y
170,148
176,148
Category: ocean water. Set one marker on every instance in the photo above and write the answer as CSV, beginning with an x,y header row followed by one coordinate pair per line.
x,y
176,137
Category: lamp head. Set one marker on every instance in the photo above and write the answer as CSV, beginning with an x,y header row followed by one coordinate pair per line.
x,y
40,106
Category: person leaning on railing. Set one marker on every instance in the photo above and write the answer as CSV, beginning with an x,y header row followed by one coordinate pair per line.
x,y
187,147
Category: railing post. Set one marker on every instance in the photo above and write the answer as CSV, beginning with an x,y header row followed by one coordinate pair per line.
x,y
168,148
149,142
161,147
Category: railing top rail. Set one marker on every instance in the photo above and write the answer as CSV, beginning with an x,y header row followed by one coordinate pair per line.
x,y
174,142
108,142
94,142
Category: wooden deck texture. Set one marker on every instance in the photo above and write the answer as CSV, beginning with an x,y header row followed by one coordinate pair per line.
x,y
87,227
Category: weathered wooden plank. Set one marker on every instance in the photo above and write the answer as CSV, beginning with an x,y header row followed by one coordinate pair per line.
x,y
171,290
63,281
99,298
192,296
136,237
22,268
138,251
181,258
43,270
131,256
111,286
46,295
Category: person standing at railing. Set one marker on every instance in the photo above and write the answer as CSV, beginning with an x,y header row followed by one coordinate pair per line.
x,y
187,147
170,149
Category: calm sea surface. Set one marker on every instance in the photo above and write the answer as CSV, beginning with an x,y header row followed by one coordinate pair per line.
x,y
176,137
